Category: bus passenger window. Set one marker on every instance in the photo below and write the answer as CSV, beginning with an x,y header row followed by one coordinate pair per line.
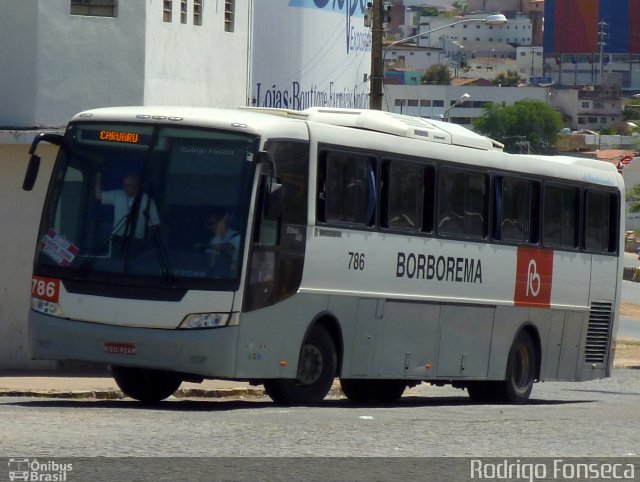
x,y
599,224
513,206
403,195
560,213
462,203
349,189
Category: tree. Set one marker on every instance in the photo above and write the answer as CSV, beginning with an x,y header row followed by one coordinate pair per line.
x,y
632,197
525,125
437,74
510,79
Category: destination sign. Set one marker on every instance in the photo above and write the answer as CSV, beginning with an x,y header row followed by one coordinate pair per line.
x,y
115,136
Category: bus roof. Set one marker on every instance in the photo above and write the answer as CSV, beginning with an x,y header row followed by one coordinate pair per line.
x,y
390,123
275,122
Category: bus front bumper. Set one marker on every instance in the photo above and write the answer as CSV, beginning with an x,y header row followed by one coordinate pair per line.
x,y
209,353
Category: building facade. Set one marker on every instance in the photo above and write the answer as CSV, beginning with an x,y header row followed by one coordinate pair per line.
x,y
74,55
309,53
586,41
431,101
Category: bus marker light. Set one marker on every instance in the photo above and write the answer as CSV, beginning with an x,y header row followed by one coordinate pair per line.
x,y
46,307
284,363
428,366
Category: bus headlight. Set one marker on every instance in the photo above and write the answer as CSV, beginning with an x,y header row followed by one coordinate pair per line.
x,y
46,307
209,320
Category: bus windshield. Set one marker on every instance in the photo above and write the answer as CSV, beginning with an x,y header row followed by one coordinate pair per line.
x,y
142,204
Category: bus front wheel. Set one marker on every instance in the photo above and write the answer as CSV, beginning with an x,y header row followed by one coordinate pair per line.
x,y
317,369
148,386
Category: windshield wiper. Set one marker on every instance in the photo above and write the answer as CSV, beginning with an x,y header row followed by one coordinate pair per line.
x,y
160,247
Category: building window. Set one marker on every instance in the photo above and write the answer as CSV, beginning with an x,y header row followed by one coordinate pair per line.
x,y
229,15
197,12
94,8
585,105
183,11
167,10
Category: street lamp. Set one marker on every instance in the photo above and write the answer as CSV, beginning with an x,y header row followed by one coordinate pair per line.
x,y
461,99
378,52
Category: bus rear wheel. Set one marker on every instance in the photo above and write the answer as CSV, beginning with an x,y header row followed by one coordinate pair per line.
x,y
317,369
521,371
148,386
520,376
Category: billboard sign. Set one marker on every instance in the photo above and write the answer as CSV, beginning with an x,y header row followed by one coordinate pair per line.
x,y
310,53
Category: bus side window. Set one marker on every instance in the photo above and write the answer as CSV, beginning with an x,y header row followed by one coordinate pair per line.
x,y
463,200
560,214
513,201
600,224
347,189
402,198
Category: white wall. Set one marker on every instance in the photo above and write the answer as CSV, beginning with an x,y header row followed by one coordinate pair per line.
x,y
306,56
197,65
20,217
18,28
55,64
85,62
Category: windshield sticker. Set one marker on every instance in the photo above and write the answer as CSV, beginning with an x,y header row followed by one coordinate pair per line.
x,y
60,250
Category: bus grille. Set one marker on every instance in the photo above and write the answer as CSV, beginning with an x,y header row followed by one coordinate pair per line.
x,y
600,319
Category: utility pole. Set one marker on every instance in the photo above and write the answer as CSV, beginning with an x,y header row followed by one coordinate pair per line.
x,y
377,69
601,43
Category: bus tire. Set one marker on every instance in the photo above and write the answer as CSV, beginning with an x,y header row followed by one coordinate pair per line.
x,y
388,391
356,391
483,391
147,386
521,371
379,391
317,369
519,379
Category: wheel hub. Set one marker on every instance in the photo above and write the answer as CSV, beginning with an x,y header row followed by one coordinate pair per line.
x,y
310,365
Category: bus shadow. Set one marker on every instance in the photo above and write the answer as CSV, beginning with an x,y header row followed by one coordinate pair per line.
x,y
262,403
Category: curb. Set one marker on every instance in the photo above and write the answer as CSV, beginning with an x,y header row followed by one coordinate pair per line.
x,y
118,395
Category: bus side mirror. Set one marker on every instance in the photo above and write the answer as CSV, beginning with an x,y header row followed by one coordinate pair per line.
x,y
272,189
267,163
34,159
274,198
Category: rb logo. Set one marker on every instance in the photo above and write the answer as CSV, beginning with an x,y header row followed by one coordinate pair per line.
x,y
534,274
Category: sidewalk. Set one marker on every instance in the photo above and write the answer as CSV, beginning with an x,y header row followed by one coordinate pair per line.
x,y
105,388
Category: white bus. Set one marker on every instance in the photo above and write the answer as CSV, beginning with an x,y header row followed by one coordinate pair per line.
x,y
291,248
